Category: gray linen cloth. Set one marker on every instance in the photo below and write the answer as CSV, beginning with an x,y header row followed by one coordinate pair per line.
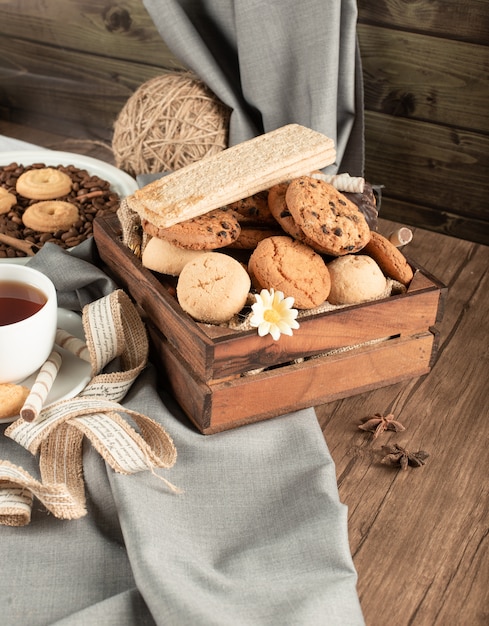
x,y
258,536
274,63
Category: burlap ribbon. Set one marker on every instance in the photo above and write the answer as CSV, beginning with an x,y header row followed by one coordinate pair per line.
x,y
113,329
133,235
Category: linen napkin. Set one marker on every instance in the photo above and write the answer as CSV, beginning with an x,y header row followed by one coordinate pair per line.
x,y
257,536
275,63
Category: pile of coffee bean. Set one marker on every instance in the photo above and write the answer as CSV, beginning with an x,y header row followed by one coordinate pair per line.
x,y
91,194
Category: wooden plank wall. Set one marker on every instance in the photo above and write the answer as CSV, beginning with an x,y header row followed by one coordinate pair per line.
x,y
69,66
426,76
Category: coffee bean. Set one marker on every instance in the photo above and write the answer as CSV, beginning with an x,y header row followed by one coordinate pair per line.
x,y
89,208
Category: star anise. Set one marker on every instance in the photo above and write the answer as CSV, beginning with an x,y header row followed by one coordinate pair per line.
x,y
396,455
378,423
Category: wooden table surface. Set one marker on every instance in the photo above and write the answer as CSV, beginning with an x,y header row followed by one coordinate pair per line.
x,y
419,537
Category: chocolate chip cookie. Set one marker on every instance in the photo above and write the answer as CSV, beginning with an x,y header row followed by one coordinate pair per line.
x,y
251,236
253,210
215,229
326,216
280,211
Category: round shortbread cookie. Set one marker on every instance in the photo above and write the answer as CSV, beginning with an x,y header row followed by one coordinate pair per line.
x,y
12,398
355,278
389,258
213,287
287,265
162,256
215,229
326,216
50,216
46,183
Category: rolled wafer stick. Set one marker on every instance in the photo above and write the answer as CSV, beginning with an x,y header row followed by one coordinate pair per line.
x,y
71,343
41,387
401,237
342,182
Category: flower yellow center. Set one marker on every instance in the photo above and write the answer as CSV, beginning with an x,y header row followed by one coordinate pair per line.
x,y
271,316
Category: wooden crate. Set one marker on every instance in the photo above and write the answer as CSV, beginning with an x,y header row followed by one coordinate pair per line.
x,y
224,378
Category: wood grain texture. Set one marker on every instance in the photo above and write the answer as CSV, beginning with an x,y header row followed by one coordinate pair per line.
x,y
437,219
425,77
115,30
429,165
420,538
73,92
451,19
319,380
427,127
70,66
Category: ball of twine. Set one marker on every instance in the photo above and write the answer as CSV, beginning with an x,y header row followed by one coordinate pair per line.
x,y
170,121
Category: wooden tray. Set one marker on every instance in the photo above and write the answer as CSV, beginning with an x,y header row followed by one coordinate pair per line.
x,y
216,374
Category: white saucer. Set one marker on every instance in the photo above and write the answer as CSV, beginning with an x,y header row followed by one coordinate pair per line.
x,y
120,182
74,373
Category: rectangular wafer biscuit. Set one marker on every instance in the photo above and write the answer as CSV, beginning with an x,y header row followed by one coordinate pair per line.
x,y
233,174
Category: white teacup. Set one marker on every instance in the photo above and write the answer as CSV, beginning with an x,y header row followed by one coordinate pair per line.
x,y
28,321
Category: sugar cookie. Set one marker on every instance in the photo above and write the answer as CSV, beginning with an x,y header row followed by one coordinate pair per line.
x,y
213,287
162,256
355,278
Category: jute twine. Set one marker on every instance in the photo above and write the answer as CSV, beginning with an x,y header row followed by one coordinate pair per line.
x,y
170,121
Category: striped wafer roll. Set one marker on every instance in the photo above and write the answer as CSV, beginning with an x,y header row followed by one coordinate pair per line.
x,y
342,182
401,237
74,345
41,387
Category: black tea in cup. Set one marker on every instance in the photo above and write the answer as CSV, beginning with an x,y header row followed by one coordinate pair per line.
x,y
18,301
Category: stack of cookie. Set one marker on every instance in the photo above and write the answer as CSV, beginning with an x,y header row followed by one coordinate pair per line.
x,y
299,235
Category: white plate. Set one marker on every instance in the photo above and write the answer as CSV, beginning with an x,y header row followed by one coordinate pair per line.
x,y
120,182
74,373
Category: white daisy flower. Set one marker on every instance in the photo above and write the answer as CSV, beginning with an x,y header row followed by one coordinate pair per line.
x,y
273,313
